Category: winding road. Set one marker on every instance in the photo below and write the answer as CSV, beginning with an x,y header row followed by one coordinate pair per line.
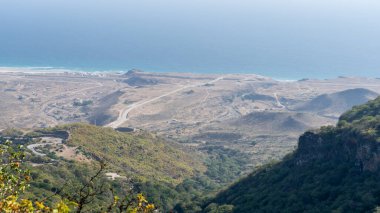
x,y
123,114
50,141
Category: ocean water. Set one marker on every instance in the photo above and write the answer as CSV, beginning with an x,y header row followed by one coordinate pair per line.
x,y
282,39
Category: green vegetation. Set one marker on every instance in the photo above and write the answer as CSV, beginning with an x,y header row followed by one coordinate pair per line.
x,y
224,165
148,163
335,169
142,154
12,133
170,175
15,179
362,112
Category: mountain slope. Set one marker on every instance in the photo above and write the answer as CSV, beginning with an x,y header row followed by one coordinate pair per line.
x,y
136,78
334,169
163,170
337,103
279,122
139,154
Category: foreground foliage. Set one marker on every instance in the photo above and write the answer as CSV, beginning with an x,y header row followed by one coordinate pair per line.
x,y
15,179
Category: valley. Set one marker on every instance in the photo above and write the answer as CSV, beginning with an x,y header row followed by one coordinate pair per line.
x,y
177,137
257,116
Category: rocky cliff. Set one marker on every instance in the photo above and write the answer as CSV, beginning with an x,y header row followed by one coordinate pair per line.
x,y
334,169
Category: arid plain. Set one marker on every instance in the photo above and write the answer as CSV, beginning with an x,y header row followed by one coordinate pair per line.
x,y
257,117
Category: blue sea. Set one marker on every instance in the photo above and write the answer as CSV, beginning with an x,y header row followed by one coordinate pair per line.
x,y
282,39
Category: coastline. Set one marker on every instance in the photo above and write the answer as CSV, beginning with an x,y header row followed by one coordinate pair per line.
x,y
61,70
48,70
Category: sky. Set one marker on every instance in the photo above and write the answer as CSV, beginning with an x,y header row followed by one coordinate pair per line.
x,y
288,39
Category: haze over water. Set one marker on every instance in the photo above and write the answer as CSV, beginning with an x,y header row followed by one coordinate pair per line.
x,y
287,39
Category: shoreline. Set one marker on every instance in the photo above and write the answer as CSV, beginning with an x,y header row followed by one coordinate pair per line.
x,y
49,70
61,70
58,70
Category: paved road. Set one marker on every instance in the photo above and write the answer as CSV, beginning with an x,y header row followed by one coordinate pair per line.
x,y
279,104
123,114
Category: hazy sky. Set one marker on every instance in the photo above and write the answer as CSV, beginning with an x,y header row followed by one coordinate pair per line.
x,y
284,38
